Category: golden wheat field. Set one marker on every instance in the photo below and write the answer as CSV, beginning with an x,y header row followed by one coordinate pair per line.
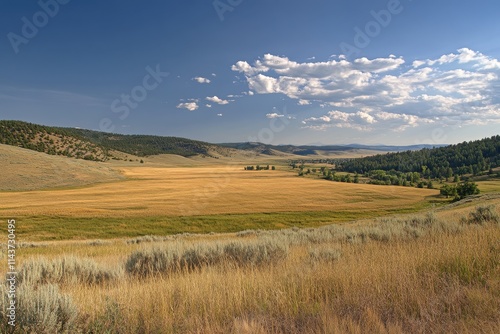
x,y
207,190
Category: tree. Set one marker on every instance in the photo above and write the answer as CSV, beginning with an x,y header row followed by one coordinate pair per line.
x,y
467,189
356,178
273,168
448,191
430,185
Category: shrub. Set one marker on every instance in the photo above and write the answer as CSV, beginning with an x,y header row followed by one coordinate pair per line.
x,y
153,261
173,258
41,310
482,215
68,270
256,253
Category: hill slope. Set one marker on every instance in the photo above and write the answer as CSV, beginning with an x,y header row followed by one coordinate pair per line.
x,y
50,140
24,169
95,145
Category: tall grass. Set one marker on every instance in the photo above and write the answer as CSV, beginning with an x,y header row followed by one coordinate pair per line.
x,y
412,275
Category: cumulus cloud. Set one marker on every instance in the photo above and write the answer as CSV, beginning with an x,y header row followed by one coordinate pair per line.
x,y
191,106
364,93
274,115
217,100
202,80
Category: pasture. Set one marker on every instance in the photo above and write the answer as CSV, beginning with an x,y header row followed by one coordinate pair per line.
x,y
202,199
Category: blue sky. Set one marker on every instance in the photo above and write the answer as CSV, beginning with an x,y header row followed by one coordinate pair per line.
x,y
280,71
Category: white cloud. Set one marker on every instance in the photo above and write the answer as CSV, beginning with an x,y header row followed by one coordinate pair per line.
x,y
220,115
217,100
202,80
208,105
368,93
274,115
303,102
191,106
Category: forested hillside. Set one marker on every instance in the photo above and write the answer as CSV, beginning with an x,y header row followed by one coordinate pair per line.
x,y
143,145
471,157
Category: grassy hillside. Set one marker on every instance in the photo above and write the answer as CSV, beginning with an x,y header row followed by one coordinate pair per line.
x,y
23,170
50,140
95,145
143,145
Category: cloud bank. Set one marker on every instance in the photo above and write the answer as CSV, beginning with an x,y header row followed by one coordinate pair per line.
x,y
363,94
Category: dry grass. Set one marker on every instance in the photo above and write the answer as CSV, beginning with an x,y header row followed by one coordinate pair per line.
x,y
24,169
381,277
208,191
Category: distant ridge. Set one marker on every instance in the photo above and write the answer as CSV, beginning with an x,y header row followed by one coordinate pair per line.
x,y
102,146
314,149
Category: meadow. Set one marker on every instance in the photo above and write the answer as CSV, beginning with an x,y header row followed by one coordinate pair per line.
x,y
435,272
217,249
155,200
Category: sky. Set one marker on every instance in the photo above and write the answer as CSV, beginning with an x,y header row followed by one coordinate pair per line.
x,y
395,72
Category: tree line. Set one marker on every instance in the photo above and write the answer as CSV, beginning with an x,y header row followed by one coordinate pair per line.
x,y
472,157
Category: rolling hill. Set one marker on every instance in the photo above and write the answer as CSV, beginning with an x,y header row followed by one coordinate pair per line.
x,y
99,146
24,169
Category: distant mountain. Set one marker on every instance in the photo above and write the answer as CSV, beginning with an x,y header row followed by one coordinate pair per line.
x,y
389,148
305,150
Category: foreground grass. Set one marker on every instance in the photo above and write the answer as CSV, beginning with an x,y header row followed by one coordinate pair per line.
x,y
418,275
44,228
